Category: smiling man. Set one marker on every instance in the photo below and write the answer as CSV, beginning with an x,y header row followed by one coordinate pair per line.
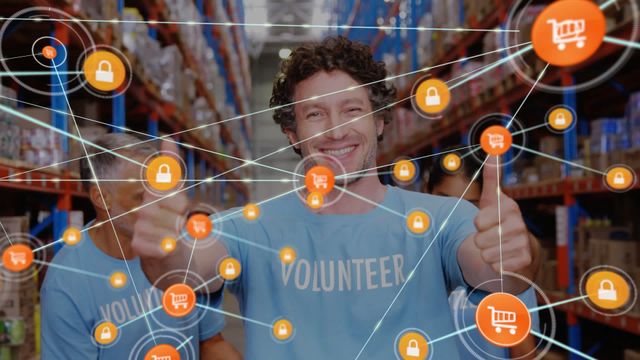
x,y
354,255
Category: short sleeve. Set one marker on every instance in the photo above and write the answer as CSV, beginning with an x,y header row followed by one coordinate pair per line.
x,y
211,322
64,334
457,228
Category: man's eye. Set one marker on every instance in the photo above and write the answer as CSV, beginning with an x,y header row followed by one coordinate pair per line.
x,y
354,110
313,114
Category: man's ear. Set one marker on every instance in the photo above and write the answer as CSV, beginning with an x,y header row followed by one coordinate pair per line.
x,y
96,199
293,137
379,126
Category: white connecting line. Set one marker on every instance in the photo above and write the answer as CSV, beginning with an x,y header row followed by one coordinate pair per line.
x,y
168,136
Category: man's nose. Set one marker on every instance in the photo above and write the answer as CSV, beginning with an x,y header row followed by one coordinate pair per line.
x,y
337,128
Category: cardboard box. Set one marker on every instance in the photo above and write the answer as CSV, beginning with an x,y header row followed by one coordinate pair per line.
x,y
631,354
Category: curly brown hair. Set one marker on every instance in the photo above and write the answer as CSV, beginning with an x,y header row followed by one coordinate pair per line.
x,y
333,53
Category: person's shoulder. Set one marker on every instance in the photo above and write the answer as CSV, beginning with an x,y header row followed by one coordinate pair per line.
x,y
67,257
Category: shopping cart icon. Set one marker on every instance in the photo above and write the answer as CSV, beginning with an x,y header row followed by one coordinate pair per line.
x,y
567,32
320,181
18,258
502,320
156,357
199,227
496,140
179,301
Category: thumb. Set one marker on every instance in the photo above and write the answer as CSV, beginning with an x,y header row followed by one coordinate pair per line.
x,y
490,182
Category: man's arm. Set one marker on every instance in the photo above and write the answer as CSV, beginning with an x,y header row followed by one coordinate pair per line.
x,y
216,348
158,219
484,254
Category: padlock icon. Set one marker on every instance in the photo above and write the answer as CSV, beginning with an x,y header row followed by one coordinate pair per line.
x,y
404,171
287,256
105,334
315,200
452,164
413,349
104,72
618,178
561,120
251,213
163,176
230,270
418,223
282,330
607,291
433,97
72,237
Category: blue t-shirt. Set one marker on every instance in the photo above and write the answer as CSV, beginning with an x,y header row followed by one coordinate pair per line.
x,y
348,270
73,304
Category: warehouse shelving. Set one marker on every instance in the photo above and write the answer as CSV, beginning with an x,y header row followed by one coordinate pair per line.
x,y
147,97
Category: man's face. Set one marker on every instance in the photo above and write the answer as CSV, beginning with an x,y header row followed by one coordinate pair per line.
x,y
352,143
125,196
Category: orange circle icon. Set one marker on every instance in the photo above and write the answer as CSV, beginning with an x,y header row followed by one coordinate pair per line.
x,y
251,212
432,96
319,179
404,170
413,345
496,140
560,119
18,257
418,222
568,32
118,280
451,162
72,236
178,300
287,255
607,290
503,319
199,226
620,178
104,70
282,329
163,173
229,269
105,333
315,200
168,244
162,352
49,52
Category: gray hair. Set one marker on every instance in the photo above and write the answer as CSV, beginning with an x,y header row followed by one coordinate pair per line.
x,y
104,162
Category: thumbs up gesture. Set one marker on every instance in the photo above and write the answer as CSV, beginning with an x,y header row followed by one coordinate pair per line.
x,y
516,245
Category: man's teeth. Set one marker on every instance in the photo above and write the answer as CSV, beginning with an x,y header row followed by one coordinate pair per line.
x,y
339,152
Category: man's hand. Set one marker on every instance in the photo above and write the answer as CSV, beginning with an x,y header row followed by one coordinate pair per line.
x,y
516,247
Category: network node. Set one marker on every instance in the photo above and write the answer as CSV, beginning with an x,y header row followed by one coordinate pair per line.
x,y
319,179
287,255
72,236
282,329
178,300
118,280
199,226
412,345
49,52
315,200
418,222
496,140
251,212
451,162
568,32
162,352
620,178
229,269
104,71
168,244
608,290
106,333
404,171
431,97
560,119
503,319
163,173
17,258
